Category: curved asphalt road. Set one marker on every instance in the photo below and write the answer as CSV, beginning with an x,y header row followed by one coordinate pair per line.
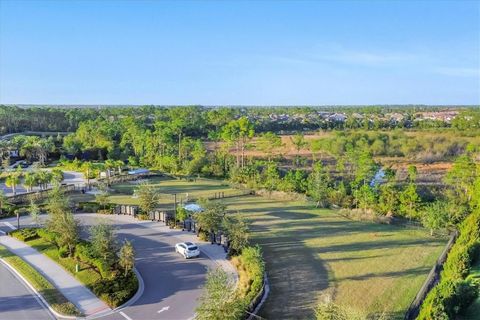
x,y
17,301
172,284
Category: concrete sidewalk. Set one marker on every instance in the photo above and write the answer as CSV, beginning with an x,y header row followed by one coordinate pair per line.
x,y
70,287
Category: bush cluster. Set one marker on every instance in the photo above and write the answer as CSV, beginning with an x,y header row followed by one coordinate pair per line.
x,y
92,206
25,234
453,293
116,290
252,262
47,235
251,269
84,253
88,206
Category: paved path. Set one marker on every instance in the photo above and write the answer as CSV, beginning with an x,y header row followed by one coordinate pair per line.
x,y
17,301
70,287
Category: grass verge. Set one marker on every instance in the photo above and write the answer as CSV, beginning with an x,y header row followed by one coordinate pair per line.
x,y
53,297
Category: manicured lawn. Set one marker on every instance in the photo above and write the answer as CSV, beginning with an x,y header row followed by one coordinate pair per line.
x,y
312,252
54,297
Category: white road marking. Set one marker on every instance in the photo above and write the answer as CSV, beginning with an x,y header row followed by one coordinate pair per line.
x,y
8,224
2,232
163,309
125,316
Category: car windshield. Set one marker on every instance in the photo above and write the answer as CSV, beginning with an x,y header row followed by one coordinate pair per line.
x,y
192,248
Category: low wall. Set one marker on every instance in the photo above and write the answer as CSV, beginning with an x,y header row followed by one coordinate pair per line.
x,y
258,301
431,281
40,194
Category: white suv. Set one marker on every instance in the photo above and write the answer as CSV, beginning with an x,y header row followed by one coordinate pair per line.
x,y
187,249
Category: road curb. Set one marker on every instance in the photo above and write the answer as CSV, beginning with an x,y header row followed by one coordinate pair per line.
x,y
42,299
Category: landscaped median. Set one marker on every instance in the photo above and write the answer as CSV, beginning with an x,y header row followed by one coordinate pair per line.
x,y
52,296
112,283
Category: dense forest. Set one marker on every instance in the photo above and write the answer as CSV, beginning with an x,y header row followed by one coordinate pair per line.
x,y
19,119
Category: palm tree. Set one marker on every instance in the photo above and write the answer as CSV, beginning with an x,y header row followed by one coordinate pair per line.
x,y
109,164
3,200
87,168
12,180
29,181
119,164
5,148
43,178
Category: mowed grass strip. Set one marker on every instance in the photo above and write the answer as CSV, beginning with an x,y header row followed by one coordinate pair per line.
x,y
311,253
48,291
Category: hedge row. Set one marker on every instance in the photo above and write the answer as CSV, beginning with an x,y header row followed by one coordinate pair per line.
x,y
251,269
25,234
93,206
453,293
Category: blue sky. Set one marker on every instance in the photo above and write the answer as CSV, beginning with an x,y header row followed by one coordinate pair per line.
x,y
240,53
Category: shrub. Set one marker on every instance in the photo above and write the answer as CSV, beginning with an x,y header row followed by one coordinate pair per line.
x,y
63,252
85,253
143,216
203,235
47,235
25,234
88,206
116,290
105,211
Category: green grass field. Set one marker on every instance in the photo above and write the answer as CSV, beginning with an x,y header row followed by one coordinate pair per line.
x,y
311,253
123,193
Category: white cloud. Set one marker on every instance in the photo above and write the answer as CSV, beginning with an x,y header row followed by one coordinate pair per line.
x,y
369,58
458,72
